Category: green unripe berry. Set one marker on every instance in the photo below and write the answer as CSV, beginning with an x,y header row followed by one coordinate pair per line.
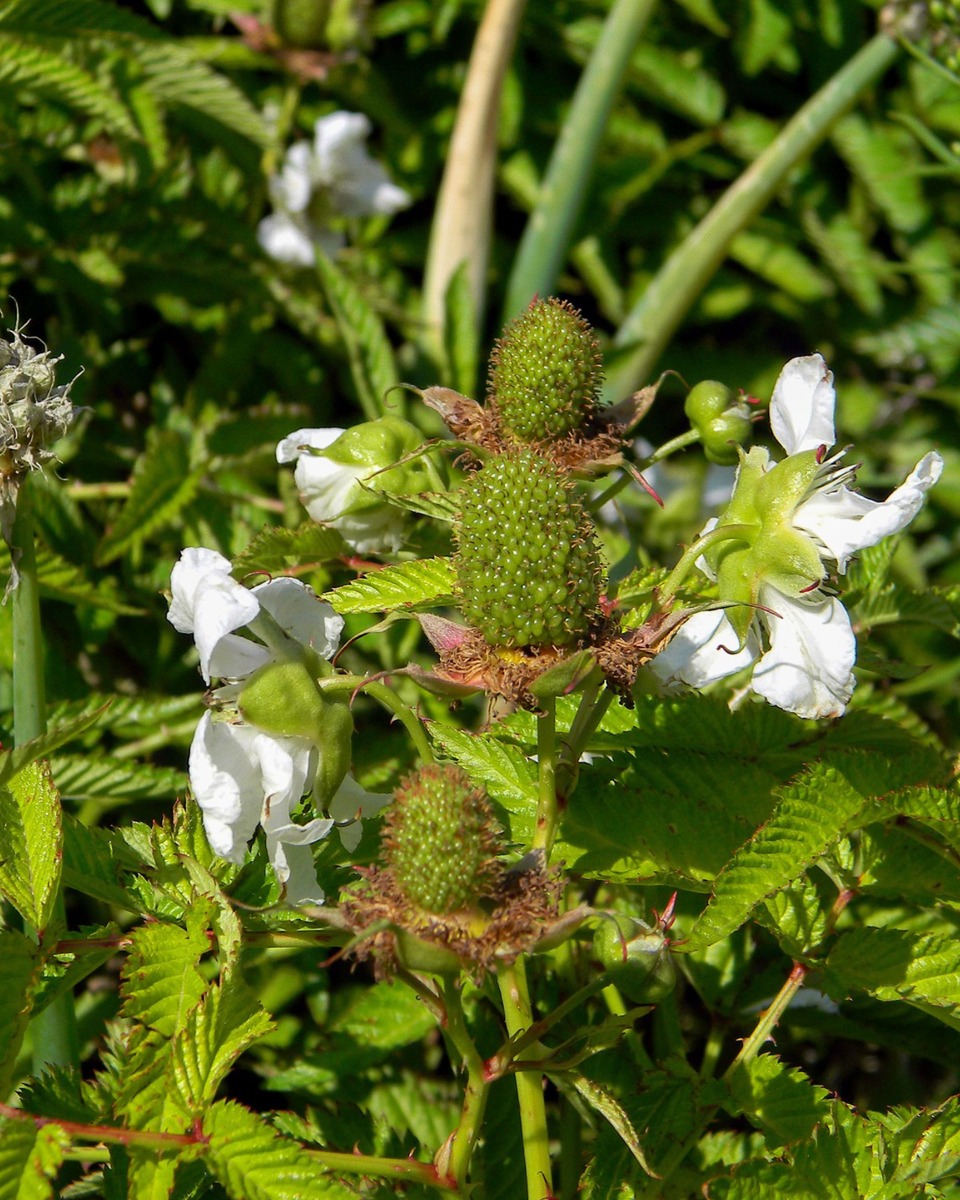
x,y
706,400
722,421
302,23
636,957
545,372
528,561
440,838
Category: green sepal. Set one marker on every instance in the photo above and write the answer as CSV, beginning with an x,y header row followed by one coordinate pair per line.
x,y
636,957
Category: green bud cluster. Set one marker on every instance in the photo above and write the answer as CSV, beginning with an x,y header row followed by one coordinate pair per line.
x,y
528,561
545,372
722,421
320,24
440,838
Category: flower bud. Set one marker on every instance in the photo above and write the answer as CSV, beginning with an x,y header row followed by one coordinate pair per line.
x,y
282,699
343,477
722,421
636,957
302,23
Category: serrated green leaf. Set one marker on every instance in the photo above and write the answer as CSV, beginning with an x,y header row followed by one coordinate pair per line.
x,y
161,485
505,771
26,65
29,1159
781,264
161,983
848,254
386,1017
110,781
279,551
603,1102
62,580
779,1099
812,814
58,734
797,916
881,158
372,364
676,818
429,583
19,963
252,1162
31,841
227,1021
894,964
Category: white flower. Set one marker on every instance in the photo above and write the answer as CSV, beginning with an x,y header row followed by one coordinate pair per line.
x,y
207,602
241,776
332,177
795,522
331,489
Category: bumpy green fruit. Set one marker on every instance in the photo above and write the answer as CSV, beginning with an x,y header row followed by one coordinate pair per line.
x,y
528,566
636,957
440,837
545,372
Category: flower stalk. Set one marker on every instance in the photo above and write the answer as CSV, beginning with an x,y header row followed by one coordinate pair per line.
x,y
515,994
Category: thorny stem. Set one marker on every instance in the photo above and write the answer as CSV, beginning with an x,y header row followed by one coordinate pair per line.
x,y
547,809
748,1052
533,1114
475,1092
106,1133
56,1041
406,1169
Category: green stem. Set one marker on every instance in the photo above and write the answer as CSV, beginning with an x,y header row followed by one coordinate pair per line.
x,y
720,533
564,187
405,715
683,277
55,1038
769,1019
547,809
680,442
405,1170
476,1090
533,1114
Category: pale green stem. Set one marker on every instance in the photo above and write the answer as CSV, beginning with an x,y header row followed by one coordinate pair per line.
x,y
54,1030
682,278
559,203
769,1019
680,442
463,218
721,533
533,1113
547,811
476,1090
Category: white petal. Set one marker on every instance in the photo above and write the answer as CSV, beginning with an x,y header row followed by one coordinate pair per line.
x,y
292,446
236,657
207,602
338,139
808,669
846,522
703,651
351,803
327,489
226,784
376,531
301,614
195,566
294,867
292,188
801,408
287,240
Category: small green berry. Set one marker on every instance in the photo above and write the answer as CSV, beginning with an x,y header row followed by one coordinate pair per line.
x,y
636,957
440,838
528,562
545,372
722,420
